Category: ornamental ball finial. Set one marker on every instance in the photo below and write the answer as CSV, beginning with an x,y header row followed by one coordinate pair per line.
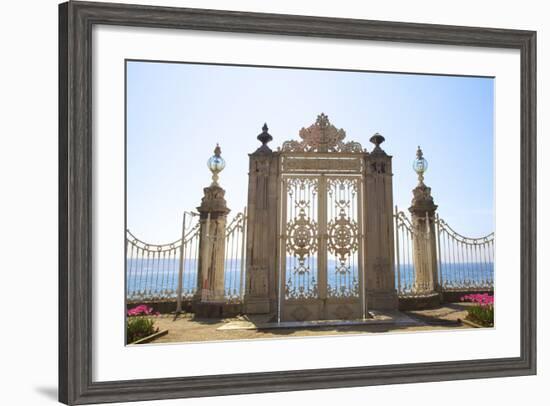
x,y
420,165
216,164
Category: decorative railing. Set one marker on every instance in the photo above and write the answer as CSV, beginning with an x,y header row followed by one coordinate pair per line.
x,y
235,244
462,263
404,254
152,270
161,271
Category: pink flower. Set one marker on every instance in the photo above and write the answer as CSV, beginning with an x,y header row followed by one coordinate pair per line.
x,y
482,299
140,310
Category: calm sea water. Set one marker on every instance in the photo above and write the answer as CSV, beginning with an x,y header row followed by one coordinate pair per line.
x,y
161,276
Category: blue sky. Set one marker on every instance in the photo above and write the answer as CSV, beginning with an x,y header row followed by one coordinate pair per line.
x,y
177,112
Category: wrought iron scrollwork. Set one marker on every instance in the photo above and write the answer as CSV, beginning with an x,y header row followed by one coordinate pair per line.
x,y
321,206
301,237
342,237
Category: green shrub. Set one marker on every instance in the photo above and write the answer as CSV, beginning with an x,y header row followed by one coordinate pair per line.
x,y
139,323
483,310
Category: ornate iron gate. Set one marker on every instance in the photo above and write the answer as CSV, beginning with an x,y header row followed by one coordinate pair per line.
x,y
321,275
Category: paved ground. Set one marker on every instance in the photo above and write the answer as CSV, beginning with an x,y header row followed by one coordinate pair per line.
x,y
185,328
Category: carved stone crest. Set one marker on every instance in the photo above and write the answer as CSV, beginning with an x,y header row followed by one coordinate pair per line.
x,y
321,136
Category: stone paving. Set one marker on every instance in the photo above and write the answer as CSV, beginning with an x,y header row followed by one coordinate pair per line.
x,y
187,329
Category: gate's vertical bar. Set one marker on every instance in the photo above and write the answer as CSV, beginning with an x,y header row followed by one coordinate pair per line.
x,y
398,266
477,272
361,255
205,252
180,271
488,270
243,254
439,268
430,253
128,271
282,245
322,238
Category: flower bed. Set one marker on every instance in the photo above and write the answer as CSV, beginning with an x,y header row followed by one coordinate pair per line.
x,y
483,310
139,323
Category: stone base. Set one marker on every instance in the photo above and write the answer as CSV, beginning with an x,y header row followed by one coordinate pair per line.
x,y
344,308
429,300
216,310
209,296
254,305
382,300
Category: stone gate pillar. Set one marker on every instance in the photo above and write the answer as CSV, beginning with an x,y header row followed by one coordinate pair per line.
x,y
261,238
424,236
378,228
213,214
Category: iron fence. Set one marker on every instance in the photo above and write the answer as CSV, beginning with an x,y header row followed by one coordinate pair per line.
x,y
234,265
170,271
463,263
404,255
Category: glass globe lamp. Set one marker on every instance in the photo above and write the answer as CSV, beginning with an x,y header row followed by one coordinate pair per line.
x,y
216,164
420,165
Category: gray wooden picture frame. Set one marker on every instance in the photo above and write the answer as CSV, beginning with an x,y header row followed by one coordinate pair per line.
x,y
76,20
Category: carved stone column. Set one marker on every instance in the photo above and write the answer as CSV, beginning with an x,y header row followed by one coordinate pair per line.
x,y
379,249
261,239
213,214
424,238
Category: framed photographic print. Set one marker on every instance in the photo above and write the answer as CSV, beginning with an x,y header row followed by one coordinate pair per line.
x,y
258,202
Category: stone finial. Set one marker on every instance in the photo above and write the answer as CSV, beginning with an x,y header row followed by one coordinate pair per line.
x,y
419,153
264,137
377,139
